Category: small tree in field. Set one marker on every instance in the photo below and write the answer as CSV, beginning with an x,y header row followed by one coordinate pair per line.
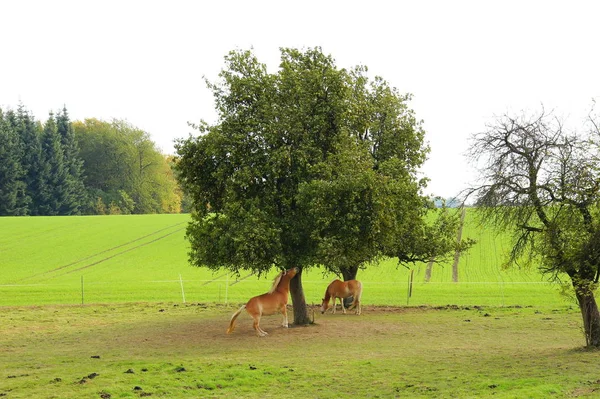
x,y
312,165
542,182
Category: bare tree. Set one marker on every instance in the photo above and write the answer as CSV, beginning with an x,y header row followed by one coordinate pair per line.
x,y
542,182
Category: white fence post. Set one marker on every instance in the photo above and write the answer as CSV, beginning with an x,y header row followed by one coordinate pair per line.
x,y
226,288
182,291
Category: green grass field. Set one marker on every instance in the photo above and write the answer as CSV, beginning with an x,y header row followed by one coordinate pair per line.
x,y
51,260
512,334
163,350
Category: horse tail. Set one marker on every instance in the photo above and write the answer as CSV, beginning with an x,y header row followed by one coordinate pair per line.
x,y
235,316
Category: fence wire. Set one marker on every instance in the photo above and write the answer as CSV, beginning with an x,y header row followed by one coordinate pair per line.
x,y
229,290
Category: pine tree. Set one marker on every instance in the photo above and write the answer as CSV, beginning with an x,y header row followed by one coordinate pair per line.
x,y
55,191
75,196
34,168
13,200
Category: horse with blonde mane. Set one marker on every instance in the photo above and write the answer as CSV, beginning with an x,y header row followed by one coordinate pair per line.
x,y
268,304
343,289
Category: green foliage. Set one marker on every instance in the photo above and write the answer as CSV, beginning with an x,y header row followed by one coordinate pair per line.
x,y
124,168
54,174
32,160
75,197
45,178
43,168
311,165
13,198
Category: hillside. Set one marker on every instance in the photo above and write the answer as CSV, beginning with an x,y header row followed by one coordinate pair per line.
x,y
144,258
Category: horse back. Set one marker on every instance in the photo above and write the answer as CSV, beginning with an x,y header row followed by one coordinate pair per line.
x,y
354,285
267,304
344,289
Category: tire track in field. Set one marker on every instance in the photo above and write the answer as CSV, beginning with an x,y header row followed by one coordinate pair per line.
x,y
106,250
121,253
26,235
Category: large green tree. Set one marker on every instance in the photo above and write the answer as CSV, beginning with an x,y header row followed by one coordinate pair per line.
x,y
541,182
310,165
369,202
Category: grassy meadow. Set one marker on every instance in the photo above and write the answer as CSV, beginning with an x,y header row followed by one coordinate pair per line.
x,y
494,333
163,350
111,259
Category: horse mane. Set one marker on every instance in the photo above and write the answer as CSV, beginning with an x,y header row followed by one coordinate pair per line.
x,y
276,282
327,293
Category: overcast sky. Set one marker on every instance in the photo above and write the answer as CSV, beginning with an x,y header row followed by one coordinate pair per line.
x,y
464,61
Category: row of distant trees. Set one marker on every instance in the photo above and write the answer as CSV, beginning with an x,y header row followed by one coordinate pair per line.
x,y
59,167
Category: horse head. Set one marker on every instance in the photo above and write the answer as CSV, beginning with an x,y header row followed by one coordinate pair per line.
x,y
324,305
292,272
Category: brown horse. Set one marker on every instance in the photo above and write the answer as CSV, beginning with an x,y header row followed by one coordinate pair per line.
x,y
268,304
343,289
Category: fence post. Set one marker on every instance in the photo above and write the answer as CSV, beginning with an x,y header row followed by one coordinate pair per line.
x,y
410,285
182,291
226,287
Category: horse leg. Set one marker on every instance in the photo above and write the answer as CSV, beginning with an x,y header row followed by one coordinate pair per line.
x,y
333,299
343,308
285,318
356,305
357,298
256,325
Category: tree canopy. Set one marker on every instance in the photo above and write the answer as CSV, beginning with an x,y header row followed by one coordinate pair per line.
x,y
310,165
89,167
541,181
40,172
124,172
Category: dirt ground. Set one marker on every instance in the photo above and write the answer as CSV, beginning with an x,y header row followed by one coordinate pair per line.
x,y
326,325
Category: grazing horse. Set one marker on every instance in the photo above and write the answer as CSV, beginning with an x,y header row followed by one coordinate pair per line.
x,y
268,304
343,289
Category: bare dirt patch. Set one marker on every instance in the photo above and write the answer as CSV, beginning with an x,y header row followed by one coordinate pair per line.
x,y
325,326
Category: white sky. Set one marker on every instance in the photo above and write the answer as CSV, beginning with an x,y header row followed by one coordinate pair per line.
x,y
464,61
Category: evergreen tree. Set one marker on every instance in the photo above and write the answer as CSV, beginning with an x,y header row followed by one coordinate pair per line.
x,y
55,189
75,195
34,167
13,200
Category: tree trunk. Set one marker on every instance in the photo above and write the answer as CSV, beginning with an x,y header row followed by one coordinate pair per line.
x,y
301,317
457,253
350,273
428,270
589,312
